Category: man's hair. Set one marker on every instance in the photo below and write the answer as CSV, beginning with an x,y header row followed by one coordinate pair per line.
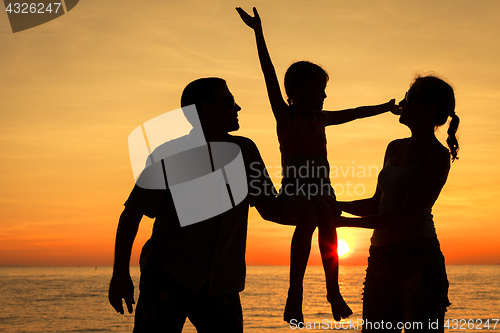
x,y
200,91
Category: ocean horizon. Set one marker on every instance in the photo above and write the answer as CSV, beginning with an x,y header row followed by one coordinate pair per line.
x,y
74,299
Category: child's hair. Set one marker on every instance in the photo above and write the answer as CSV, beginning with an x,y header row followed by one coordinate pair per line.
x,y
434,91
300,74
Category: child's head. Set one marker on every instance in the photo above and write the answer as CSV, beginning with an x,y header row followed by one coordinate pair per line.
x,y
304,78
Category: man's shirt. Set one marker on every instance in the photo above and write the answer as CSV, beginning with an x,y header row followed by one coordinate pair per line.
x,y
208,254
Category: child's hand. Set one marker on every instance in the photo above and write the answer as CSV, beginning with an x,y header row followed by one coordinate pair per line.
x,y
393,107
252,22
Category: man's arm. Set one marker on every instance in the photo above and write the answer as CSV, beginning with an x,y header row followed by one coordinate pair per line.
x,y
271,211
121,285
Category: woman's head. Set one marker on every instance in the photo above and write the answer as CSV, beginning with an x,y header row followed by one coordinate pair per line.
x,y
305,84
436,97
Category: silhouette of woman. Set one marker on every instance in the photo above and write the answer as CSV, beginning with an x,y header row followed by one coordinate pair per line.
x,y
406,282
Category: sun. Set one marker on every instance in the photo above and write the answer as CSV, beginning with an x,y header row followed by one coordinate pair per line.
x,y
343,247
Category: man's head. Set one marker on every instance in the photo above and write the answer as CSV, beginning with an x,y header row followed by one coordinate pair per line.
x,y
214,102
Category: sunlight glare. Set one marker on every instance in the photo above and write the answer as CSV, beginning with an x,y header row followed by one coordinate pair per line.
x,y
343,247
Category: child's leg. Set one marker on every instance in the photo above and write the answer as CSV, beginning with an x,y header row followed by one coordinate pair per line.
x,y
327,240
301,210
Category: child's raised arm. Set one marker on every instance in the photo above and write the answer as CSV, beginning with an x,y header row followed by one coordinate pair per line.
x,y
278,105
344,116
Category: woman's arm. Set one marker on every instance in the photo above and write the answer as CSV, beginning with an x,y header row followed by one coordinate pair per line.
x,y
370,206
344,116
420,197
363,207
278,105
271,211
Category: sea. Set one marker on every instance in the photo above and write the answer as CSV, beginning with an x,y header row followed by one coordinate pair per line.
x,y
74,299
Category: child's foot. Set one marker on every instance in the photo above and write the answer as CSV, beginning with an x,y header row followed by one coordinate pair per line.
x,y
293,308
340,309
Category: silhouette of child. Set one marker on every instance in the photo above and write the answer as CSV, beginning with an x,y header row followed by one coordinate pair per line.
x,y
306,194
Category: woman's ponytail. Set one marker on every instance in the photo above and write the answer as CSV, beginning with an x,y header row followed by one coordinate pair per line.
x,y
452,139
435,91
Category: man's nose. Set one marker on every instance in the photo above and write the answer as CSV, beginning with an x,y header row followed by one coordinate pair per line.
x,y
237,107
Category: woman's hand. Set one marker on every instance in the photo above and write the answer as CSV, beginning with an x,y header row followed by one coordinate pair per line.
x,y
252,22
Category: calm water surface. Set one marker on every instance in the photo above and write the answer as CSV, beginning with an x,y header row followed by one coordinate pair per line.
x,y
74,299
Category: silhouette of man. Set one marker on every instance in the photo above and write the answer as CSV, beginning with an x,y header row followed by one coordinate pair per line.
x,y
196,271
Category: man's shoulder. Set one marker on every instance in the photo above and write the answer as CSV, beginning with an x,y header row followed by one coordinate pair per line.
x,y
242,141
248,147
238,138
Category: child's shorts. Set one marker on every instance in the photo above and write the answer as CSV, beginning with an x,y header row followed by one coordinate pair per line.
x,y
305,187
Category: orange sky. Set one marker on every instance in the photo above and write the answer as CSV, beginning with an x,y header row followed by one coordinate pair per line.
x,y
72,90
